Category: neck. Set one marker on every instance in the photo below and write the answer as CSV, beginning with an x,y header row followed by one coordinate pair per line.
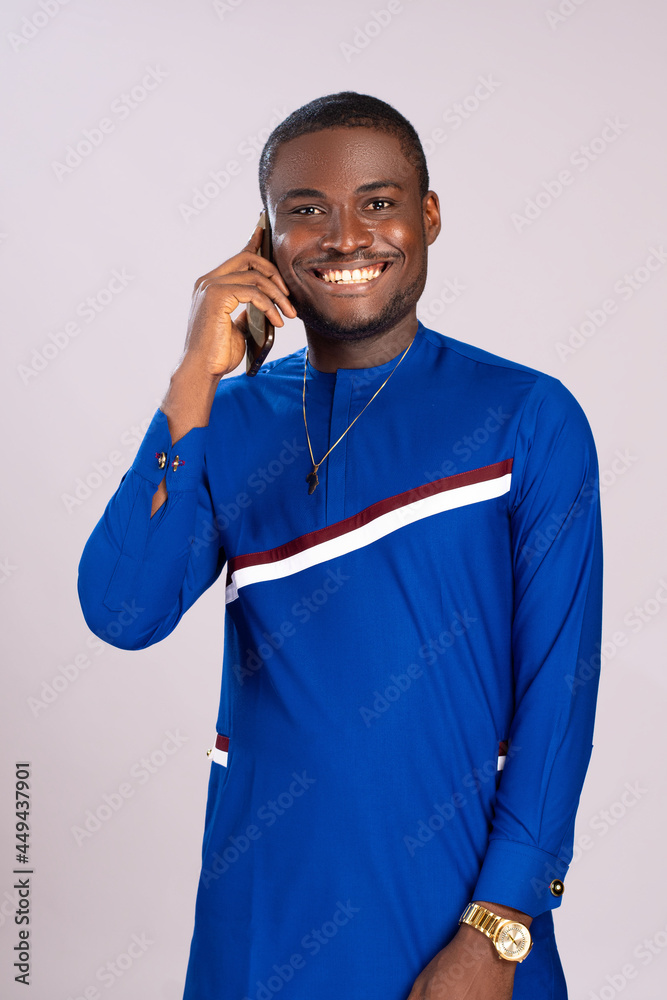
x,y
328,355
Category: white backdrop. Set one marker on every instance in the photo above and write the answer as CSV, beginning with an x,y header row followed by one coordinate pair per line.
x,y
132,132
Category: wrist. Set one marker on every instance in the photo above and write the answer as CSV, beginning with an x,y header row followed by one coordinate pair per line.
x,y
188,401
505,931
506,912
481,952
190,374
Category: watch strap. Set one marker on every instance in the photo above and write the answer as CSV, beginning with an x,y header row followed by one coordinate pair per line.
x,y
481,918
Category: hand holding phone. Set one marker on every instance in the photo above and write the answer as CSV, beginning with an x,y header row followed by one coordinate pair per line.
x,y
215,343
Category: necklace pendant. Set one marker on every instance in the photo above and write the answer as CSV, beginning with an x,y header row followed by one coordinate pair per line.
x,y
312,479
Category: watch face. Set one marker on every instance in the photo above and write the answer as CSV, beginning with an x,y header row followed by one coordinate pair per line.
x,y
513,941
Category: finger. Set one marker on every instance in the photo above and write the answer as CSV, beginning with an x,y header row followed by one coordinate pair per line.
x,y
264,283
270,282
253,262
255,241
245,261
267,267
243,294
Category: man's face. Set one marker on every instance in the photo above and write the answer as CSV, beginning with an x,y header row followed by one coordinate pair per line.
x,y
350,231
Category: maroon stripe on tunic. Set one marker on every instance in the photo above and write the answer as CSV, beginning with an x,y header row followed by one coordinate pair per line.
x,y
307,541
221,742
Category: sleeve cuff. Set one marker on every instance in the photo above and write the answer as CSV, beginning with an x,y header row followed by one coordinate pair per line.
x,y
181,463
523,877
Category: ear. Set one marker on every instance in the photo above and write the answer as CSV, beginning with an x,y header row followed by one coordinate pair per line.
x,y
431,216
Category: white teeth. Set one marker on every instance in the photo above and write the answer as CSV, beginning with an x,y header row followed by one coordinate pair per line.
x,y
348,277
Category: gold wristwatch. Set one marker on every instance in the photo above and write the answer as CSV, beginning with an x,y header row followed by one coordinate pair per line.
x,y
511,939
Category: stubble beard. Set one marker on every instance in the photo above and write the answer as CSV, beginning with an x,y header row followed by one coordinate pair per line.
x,y
362,328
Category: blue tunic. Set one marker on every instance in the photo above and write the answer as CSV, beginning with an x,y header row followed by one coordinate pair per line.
x,y
410,666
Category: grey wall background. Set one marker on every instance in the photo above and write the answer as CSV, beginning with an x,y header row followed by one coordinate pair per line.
x,y
507,97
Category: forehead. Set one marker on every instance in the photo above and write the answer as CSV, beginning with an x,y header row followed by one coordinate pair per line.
x,y
340,160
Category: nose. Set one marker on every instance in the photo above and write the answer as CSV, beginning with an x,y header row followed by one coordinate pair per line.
x,y
345,232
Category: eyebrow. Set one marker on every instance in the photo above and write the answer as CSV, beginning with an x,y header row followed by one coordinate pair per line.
x,y
301,193
314,193
377,186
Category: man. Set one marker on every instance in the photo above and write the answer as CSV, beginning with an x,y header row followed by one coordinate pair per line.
x,y
404,726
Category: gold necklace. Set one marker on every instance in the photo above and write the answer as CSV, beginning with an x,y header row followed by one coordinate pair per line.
x,y
311,478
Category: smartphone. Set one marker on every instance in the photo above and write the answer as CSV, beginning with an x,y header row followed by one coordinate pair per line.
x,y
259,339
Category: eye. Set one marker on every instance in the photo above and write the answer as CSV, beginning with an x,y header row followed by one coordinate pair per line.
x,y
379,203
306,210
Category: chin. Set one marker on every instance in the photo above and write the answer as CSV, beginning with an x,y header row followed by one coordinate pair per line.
x,y
354,328
336,330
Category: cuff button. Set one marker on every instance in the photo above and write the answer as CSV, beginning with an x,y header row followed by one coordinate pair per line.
x,y
161,459
557,888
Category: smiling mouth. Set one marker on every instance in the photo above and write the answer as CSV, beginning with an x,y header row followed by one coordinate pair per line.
x,y
350,276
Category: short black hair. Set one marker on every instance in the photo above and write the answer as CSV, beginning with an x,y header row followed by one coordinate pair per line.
x,y
345,110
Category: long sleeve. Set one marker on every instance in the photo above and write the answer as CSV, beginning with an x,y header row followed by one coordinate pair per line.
x,y
139,574
556,634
